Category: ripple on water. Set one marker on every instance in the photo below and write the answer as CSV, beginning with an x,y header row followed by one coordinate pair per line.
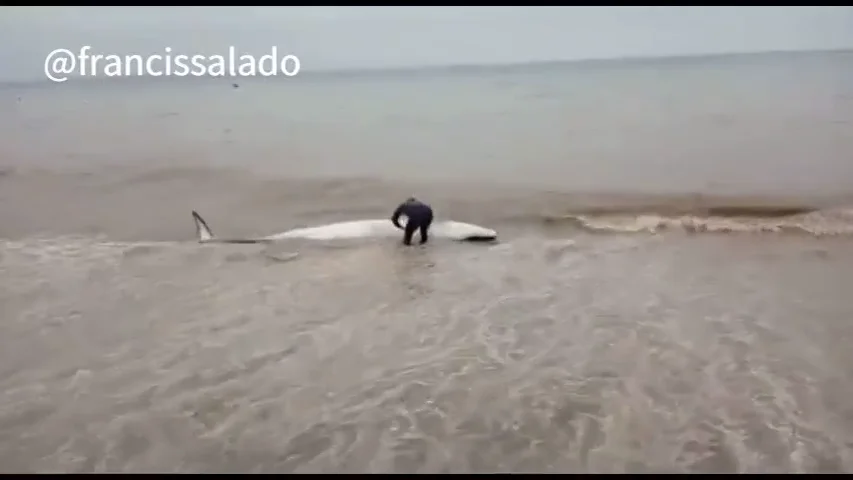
x,y
599,354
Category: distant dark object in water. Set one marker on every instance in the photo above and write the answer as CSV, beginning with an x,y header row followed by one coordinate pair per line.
x,y
235,85
759,211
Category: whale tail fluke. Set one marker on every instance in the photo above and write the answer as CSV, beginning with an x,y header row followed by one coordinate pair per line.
x,y
202,231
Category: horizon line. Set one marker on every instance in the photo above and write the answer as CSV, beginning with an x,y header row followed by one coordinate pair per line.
x,y
468,67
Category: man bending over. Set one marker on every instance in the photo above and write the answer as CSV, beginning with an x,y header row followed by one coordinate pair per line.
x,y
419,217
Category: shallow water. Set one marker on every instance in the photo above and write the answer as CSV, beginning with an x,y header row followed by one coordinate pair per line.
x,y
602,354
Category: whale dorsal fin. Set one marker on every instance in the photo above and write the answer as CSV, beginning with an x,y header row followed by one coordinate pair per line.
x,y
202,231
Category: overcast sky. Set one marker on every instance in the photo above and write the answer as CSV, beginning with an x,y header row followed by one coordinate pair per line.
x,y
375,37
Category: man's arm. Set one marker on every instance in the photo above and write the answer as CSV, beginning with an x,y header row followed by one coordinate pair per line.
x,y
395,218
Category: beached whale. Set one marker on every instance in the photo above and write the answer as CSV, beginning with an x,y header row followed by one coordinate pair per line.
x,y
374,228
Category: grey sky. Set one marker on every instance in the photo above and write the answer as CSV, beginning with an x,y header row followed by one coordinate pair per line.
x,y
374,37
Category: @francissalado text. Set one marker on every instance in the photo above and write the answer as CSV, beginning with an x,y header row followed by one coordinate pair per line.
x,y
62,63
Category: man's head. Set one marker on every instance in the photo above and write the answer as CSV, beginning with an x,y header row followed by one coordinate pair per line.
x,y
411,200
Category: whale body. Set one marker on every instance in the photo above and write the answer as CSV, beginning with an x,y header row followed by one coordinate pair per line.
x,y
354,229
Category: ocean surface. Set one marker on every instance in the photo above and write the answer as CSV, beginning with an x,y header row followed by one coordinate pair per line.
x,y
670,292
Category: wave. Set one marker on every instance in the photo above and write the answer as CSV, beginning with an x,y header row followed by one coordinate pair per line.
x,y
745,219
